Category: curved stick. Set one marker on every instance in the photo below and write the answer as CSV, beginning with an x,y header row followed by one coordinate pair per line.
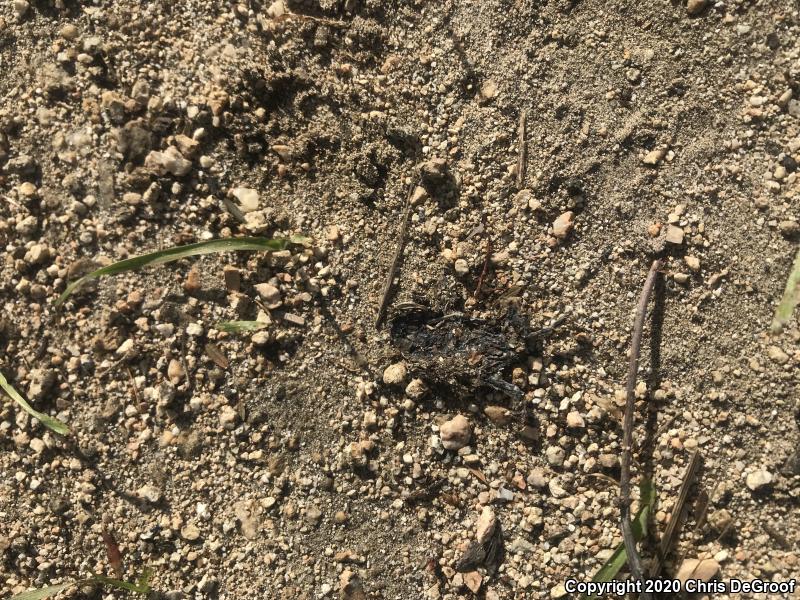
x,y
634,561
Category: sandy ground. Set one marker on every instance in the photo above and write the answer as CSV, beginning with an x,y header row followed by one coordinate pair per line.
x,y
322,456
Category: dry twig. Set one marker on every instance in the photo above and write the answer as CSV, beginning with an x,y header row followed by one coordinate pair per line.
x,y
634,561
523,150
401,242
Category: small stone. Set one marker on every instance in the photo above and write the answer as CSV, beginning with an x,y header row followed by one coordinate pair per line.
x,y
294,319
175,371
169,161
27,189
654,229
269,294
247,197
455,433
69,32
370,420
187,146
789,228
228,417
332,233
313,515
461,267
503,495
674,235
559,591
777,355
192,284
473,581
758,479
21,8
556,489
654,157
350,586
233,278
720,520
608,460
150,493
416,389
499,415
340,517
488,91
694,568
692,262
194,329
276,9
555,455
681,278
433,172
395,374
485,526
695,7
37,254
575,420
190,532
125,348
419,195
563,224
536,479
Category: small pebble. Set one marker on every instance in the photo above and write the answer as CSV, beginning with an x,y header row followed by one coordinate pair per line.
x,y
455,433
395,374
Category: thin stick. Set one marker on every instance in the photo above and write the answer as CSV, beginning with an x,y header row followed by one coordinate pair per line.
x,y
133,384
676,518
485,270
634,561
523,150
401,242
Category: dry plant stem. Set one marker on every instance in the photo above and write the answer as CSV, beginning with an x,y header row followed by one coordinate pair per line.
x,y
485,269
401,242
523,150
634,561
676,518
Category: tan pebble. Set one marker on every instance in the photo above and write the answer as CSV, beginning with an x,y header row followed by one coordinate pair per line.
x,y
654,157
692,262
575,420
777,355
674,235
488,90
455,433
192,283
190,532
499,415
395,374
563,224
473,581
175,371
695,568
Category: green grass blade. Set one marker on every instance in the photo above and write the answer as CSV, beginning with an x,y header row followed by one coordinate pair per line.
x,y
172,254
618,559
791,296
240,326
41,593
140,587
46,420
